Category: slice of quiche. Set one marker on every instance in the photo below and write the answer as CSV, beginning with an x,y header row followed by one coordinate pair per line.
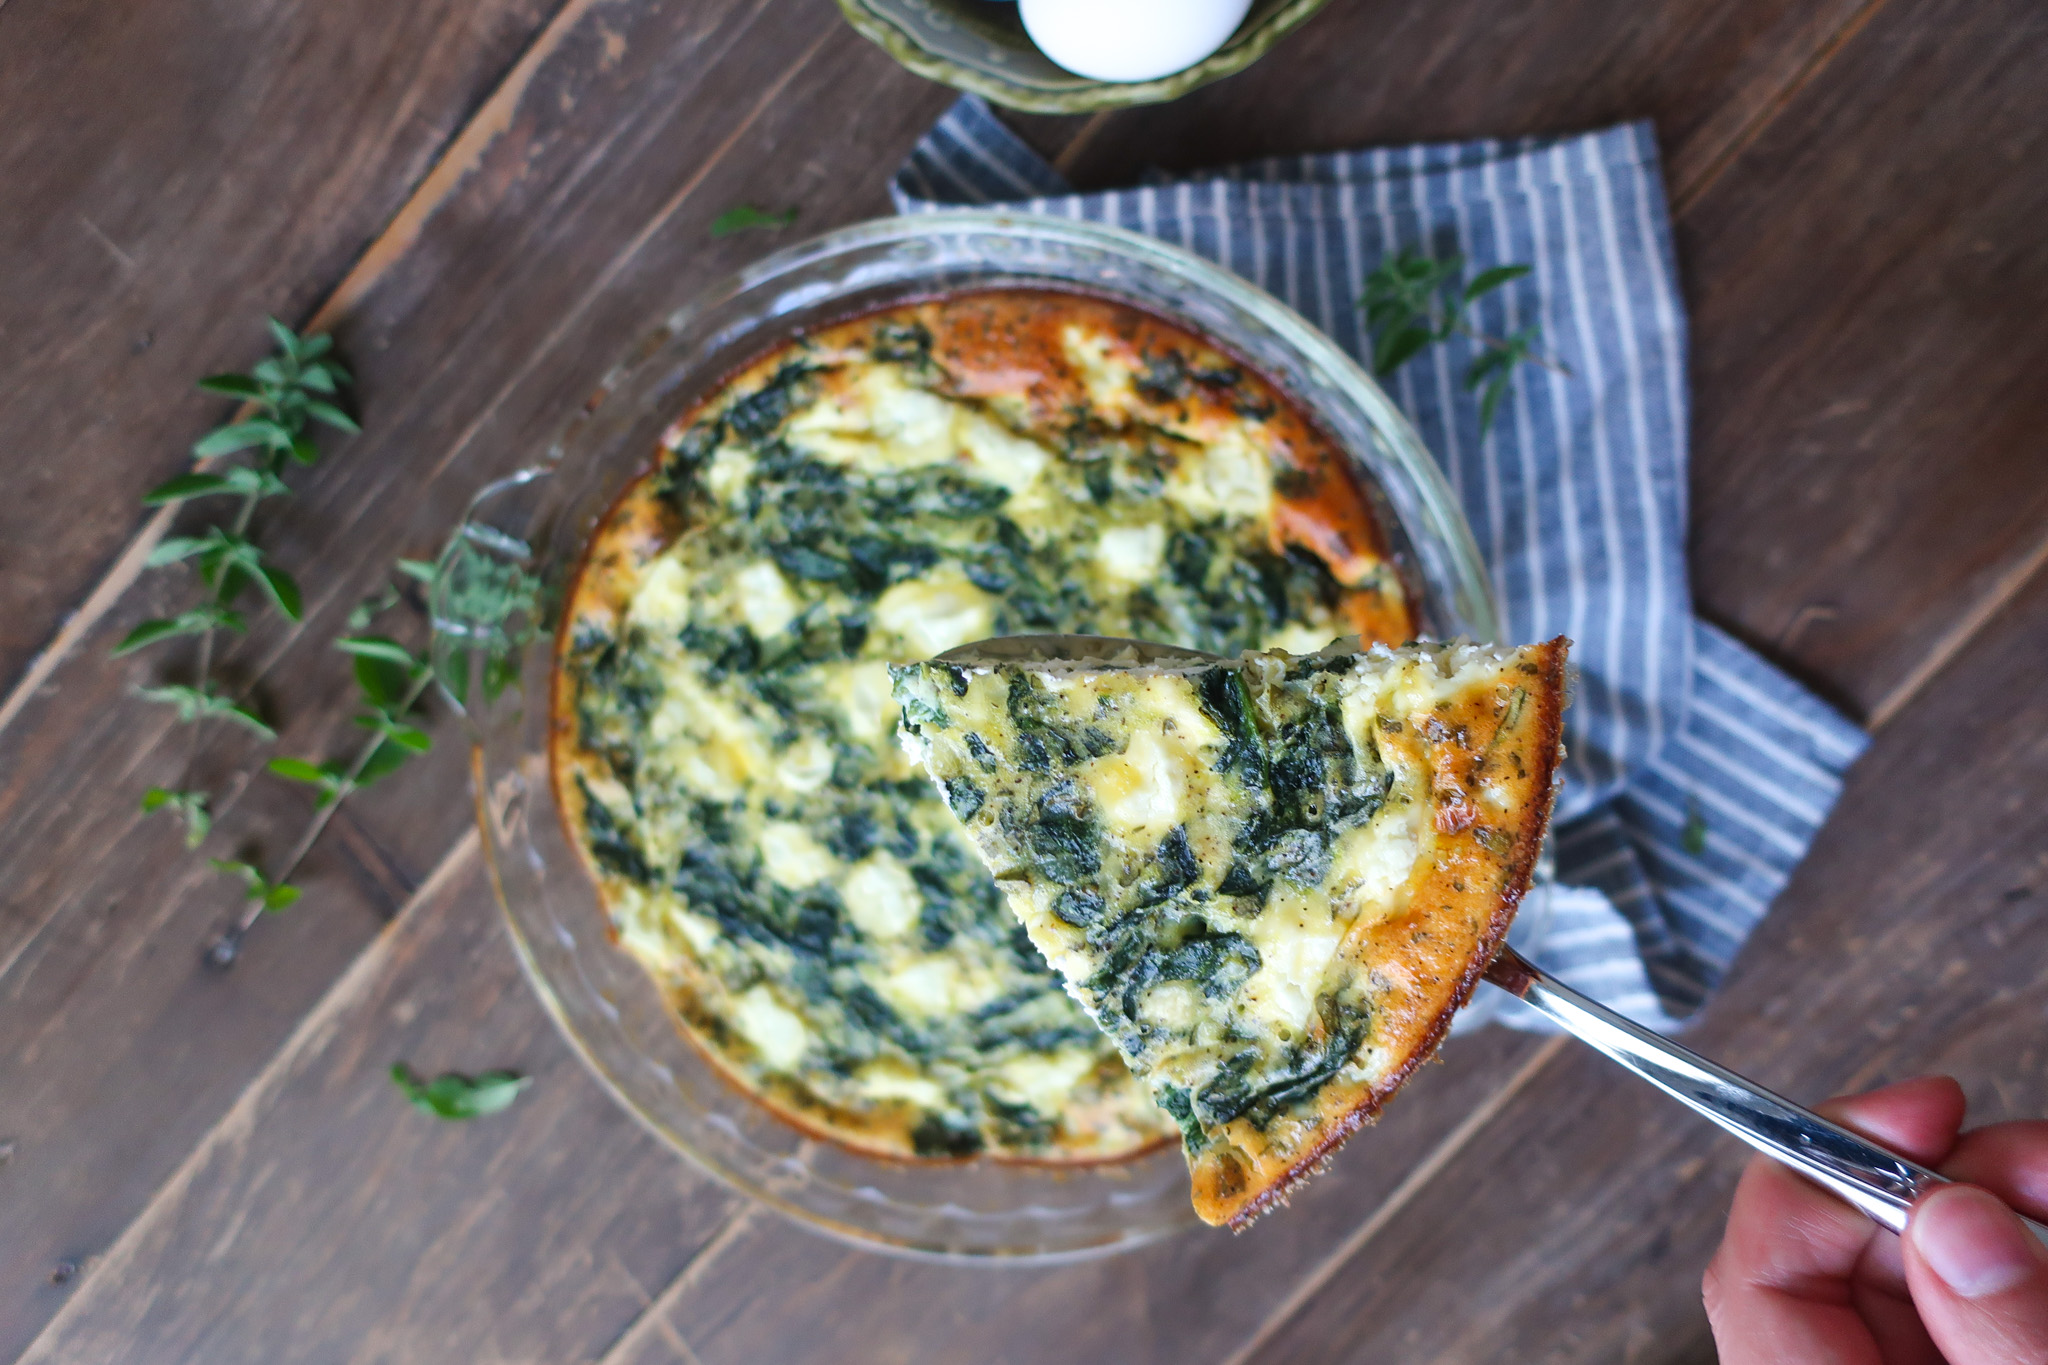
x,y
1271,880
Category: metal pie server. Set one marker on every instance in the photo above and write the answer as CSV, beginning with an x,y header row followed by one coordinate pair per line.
x,y
1881,1183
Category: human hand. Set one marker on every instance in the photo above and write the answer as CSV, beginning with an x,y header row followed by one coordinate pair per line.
x,y
1803,1277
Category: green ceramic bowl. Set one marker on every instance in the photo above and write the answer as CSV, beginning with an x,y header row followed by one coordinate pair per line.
x,y
979,47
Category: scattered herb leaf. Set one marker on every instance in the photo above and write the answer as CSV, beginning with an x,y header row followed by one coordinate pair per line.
x,y
453,1096
1412,301
1693,838
267,894
198,703
744,217
188,806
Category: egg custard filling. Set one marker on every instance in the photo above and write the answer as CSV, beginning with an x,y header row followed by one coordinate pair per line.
x,y
1270,880
723,727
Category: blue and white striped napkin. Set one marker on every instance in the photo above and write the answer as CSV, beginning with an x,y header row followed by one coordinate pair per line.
x,y
1697,773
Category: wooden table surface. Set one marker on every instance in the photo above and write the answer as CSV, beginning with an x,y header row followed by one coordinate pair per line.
x,y
484,200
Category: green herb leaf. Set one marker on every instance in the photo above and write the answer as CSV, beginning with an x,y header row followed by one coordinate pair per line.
x,y
1693,838
186,486
1486,281
371,607
386,759
326,376
377,647
396,731
251,483
194,622
282,589
287,340
273,896
332,416
233,385
1411,301
499,605
743,217
1396,348
421,570
258,431
171,549
188,806
331,778
196,703
299,770
410,737
454,1096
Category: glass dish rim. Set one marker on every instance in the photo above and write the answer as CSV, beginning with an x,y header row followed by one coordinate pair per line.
x,y
1442,531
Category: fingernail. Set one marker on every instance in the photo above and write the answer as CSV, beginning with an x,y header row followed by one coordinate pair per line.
x,y
1973,1242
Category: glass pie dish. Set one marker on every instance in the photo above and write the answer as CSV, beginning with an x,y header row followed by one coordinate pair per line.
x,y
520,542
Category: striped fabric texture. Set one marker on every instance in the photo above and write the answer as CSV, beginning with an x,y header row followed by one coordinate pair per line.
x,y
1697,774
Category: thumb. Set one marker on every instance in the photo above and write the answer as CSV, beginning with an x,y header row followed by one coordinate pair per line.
x,y
1978,1277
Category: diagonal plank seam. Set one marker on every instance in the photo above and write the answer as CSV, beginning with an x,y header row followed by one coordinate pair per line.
x,y
1687,194
2001,593
625,256
134,558
461,155
654,1318
240,1119
464,152
1402,1194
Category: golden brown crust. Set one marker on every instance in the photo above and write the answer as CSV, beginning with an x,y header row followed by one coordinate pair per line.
x,y
1426,960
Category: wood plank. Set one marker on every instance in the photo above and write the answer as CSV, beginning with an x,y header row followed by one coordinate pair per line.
x,y
121,1051
1381,72
1155,1305
536,1234
174,173
1912,941
1870,469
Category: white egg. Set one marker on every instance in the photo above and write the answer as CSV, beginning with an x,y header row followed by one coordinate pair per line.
x,y
1130,40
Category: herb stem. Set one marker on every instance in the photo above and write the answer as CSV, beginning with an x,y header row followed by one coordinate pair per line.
x,y
1494,343
243,515
225,948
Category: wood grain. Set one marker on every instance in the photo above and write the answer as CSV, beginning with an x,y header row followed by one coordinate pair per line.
x,y
174,171
573,233
324,1219
1374,72
1912,940
1156,1305
1870,467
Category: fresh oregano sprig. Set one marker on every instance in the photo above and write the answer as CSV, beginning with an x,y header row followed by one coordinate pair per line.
x,y
393,681
283,395
455,1096
260,891
747,217
189,806
1412,301
202,703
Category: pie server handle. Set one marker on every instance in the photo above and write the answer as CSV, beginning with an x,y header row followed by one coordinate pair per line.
x,y
1881,1183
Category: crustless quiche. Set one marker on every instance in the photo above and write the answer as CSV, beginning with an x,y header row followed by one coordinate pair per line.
x,y
875,492
1271,880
